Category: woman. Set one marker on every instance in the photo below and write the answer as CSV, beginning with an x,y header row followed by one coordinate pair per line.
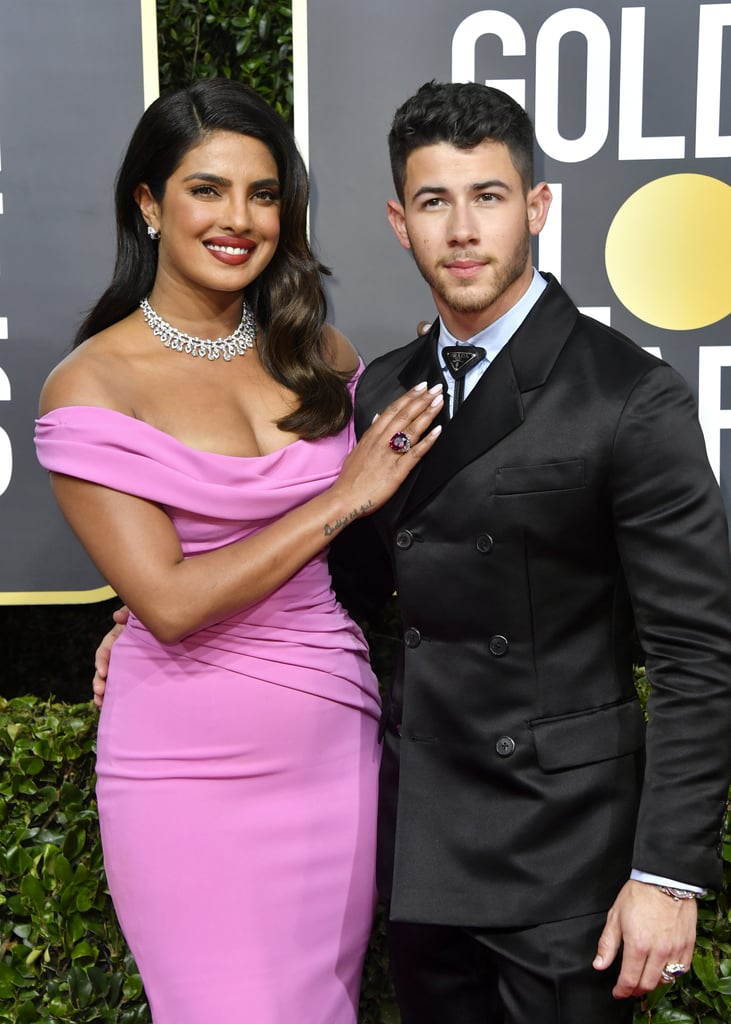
x,y
200,446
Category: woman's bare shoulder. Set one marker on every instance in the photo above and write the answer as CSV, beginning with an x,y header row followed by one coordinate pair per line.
x,y
92,374
339,352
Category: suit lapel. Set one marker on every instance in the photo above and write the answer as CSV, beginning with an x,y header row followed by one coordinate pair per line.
x,y
493,409
424,364
495,406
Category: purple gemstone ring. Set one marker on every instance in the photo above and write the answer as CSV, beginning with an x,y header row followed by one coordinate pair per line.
x,y
400,442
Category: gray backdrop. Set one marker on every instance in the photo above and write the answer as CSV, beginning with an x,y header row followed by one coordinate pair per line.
x,y
623,97
71,90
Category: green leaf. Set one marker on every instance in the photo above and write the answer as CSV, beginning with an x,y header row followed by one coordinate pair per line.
x,y
132,987
63,870
654,998
27,1013
672,1016
70,794
74,842
80,986
33,956
31,765
100,980
704,968
75,927
32,889
83,951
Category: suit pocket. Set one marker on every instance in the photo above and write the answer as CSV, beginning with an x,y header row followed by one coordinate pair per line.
x,y
553,476
585,737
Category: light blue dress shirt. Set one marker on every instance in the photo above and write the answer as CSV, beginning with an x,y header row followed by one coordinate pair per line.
x,y
492,339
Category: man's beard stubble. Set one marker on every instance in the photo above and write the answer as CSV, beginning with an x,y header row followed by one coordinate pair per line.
x,y
470,297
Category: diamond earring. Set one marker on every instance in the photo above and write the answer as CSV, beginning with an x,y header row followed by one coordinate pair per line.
x,y
153,232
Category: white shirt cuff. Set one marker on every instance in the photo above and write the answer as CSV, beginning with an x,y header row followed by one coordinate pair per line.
x,y
643,876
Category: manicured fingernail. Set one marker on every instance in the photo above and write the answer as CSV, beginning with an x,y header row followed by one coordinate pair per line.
x,y
421,386
435,388
375,417
436,401
436,431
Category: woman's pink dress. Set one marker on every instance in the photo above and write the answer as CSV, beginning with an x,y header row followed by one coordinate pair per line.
x,y
237,769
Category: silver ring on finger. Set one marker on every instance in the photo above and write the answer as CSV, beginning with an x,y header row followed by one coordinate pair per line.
x,y
672,971
400,442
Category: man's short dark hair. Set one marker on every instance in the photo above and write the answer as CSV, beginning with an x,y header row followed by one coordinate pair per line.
x,y
464,115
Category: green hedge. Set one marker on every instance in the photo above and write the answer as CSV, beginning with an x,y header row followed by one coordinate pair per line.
x,y
250,42
62,957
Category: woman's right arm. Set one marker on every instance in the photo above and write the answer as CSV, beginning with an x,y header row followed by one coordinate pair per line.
x,y
134,544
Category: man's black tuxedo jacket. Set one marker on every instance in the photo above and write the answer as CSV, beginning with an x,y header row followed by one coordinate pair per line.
x,y
569,501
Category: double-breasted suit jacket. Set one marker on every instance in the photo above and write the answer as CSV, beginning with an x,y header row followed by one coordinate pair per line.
x,y
569,501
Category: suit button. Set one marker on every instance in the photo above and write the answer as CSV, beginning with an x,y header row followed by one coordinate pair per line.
x,y
484,543
498,645
412,637
404,539
505,746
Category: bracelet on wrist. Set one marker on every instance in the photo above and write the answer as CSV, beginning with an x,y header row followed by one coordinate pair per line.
x,y
678,894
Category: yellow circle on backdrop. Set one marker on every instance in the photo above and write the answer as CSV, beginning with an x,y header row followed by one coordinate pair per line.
x,y
668,252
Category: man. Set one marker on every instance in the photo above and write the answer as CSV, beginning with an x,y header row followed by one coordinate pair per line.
x,y
527,828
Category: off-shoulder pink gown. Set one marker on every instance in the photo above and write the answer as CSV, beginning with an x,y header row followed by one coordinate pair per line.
x,y
237,769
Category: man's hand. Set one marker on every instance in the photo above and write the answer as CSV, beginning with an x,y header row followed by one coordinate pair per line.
x,y
655,929
103,652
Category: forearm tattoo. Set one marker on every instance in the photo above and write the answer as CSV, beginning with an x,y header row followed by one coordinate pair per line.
x,y
330,528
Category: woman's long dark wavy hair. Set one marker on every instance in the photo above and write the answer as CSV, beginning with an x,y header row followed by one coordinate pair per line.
x,y
287,297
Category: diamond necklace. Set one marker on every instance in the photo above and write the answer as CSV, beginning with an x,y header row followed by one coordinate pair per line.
x,y
235,344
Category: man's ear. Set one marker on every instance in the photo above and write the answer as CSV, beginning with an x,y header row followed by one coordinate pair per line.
x,y
397,220
538,202
149,207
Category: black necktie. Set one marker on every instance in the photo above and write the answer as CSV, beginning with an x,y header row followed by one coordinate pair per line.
x,y
460,359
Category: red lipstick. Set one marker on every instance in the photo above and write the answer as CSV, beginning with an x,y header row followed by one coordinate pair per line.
x,y
231,250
